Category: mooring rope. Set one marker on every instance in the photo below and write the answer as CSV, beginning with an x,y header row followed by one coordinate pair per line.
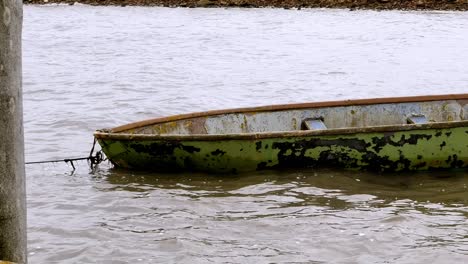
x,y
92,160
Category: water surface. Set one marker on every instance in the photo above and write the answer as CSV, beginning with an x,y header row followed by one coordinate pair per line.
x,y
87,68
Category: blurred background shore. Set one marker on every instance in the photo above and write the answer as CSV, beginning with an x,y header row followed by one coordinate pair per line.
x,y
352,4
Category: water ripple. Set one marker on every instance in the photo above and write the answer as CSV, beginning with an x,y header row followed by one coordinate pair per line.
x,y
87,68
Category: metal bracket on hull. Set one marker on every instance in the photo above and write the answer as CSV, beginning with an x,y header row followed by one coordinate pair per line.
x,y
313,124
417,119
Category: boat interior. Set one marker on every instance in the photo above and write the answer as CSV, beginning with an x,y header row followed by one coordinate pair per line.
x,y
313,116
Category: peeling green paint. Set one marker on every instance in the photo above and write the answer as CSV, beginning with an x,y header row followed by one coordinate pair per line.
x,y
423,149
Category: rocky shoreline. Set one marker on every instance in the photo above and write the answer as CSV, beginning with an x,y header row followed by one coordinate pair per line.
x,y
352,4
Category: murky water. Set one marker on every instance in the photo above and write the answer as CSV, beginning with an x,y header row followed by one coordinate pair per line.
x,y
87,68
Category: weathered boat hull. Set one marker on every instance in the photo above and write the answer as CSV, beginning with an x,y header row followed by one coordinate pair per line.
x,y
386,134
390,148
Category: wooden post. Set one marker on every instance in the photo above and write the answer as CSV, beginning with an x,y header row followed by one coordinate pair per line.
x,y
12,175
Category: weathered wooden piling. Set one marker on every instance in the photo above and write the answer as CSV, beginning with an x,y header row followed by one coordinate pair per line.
x,y
12,175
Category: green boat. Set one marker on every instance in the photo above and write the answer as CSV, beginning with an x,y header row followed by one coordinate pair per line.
x,y
384,134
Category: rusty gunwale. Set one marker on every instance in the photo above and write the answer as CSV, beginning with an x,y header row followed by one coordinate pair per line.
x,y
281,107
280,134
114,133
